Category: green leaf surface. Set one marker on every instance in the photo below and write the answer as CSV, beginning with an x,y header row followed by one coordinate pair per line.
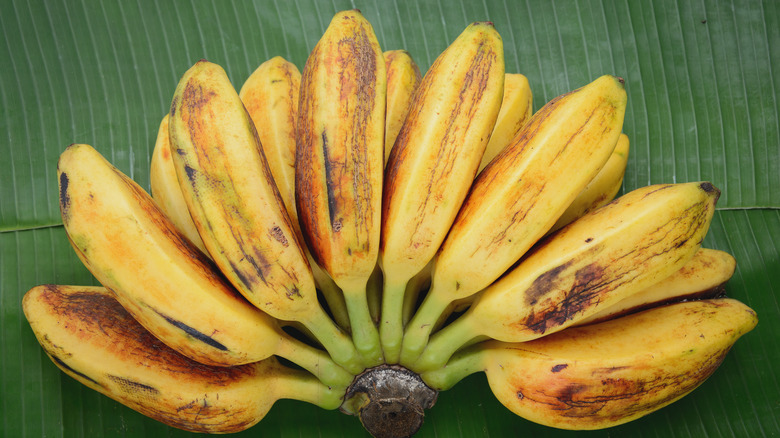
x,y
703,105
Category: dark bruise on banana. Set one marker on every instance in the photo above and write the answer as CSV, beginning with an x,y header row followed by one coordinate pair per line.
x,y
586,285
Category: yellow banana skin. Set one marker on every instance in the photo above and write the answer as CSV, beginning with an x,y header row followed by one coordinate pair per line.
x,y
166,283
516,109
270,95
339,163
91,338
403,78
165,187
603,257
602,189
132,248
520,195
702,277
606,374
237,208
433,162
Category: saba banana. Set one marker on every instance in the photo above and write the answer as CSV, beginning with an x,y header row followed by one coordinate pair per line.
x,y
361,236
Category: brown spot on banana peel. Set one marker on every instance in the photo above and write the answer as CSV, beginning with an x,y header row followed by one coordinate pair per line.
x,y
594,281
102,313
133,387
70,370
191,332
595,400
64,197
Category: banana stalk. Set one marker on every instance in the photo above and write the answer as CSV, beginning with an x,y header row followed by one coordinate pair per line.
x,y
339,162
516,109
603,257
94,340
403,78
270,95
433,163
166,283
610,373
520,195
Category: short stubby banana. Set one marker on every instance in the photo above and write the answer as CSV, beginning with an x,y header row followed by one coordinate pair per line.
x,y
605,256
166,191
237,208
339,163
91,338
606,374
704,276
520,195
167,284
433,162
403,78
270,95
602,189
516,109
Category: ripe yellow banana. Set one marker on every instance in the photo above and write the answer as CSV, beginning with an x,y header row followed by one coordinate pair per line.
x,y
169,286
516,109
600,190
702,277
520,195
270,95
91,338
403,78
165,187
433,163
237,208
606,374
605,256
339,163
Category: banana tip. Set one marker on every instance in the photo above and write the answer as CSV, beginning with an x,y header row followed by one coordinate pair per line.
x,y
710,189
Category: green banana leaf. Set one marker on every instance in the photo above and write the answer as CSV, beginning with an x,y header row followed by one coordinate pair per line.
x,y
702,81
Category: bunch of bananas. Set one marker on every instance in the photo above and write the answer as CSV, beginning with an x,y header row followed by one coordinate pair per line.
x,y
386,234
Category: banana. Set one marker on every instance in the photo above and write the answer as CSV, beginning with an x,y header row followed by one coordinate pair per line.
x,y
169,286
610,373
433,163
520,195
91,338
339,163
702,277
516,109
165,187
238,210
600,190
603,257
270,95
403,78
